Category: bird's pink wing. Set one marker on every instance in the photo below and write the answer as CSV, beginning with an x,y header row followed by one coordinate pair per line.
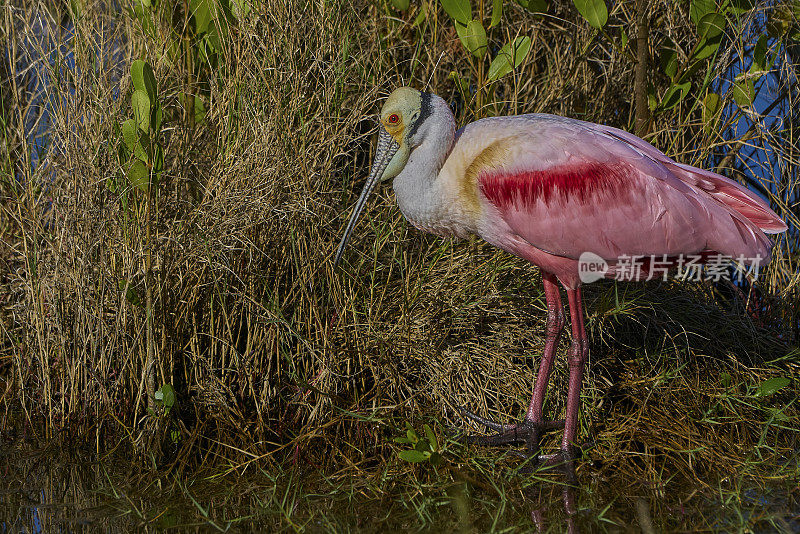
x,y
567,187
721,188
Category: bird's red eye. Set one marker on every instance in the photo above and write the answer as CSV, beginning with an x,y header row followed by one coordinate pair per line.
x,y
394,118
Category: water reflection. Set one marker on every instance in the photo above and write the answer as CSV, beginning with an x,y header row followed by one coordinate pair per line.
x,y
62,489
538,515
42,491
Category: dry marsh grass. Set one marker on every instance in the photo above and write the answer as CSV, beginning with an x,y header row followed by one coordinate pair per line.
x,y
275,355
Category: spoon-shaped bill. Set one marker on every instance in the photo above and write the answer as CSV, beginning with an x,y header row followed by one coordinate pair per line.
x,y
387,148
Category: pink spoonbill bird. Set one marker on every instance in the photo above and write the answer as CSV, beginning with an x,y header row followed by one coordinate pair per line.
x,y
550,189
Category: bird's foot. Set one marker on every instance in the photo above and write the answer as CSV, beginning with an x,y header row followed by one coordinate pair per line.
x,y
527,432
562,461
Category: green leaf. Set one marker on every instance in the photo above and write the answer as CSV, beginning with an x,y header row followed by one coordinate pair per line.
x,y
431,437
130,135
724,377
497,13
669,61
130,293
675,94
706,47
158,159
710,109
138,175
423,14
137,75
760,55
770,386
739,7
111,183
401,5
473,37
711,25
402,439
156,118
167,395
413,456
211,40
196,102
459,10
686,75
142,149
423,446
744,92
144,79
202,13
777,23
700,8
461,30
594,11
141,109
199,110
240,8
509,58
535,6
623,39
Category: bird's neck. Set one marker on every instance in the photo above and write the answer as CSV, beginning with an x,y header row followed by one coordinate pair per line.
x,y
418,191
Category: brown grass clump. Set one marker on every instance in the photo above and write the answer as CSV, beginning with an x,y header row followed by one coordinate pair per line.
x,y
271,351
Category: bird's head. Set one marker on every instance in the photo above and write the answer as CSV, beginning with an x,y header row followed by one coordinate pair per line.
x,y
401,117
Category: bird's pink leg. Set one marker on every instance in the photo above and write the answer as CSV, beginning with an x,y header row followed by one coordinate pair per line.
x,y
576,357
529,430
555,325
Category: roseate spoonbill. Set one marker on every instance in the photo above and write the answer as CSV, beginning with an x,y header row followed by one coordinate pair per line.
x,y
548,189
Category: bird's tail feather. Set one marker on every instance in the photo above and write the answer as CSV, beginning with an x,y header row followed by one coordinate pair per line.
x,y
725,190
733,195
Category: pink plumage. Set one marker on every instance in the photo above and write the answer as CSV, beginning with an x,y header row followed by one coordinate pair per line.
x,y
597,191
584,182
550,190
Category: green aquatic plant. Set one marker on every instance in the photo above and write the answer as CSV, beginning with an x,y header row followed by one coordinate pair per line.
x,y
141,154
141,158
425,447
473,36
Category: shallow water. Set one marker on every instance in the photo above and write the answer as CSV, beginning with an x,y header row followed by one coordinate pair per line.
x,y
57,490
